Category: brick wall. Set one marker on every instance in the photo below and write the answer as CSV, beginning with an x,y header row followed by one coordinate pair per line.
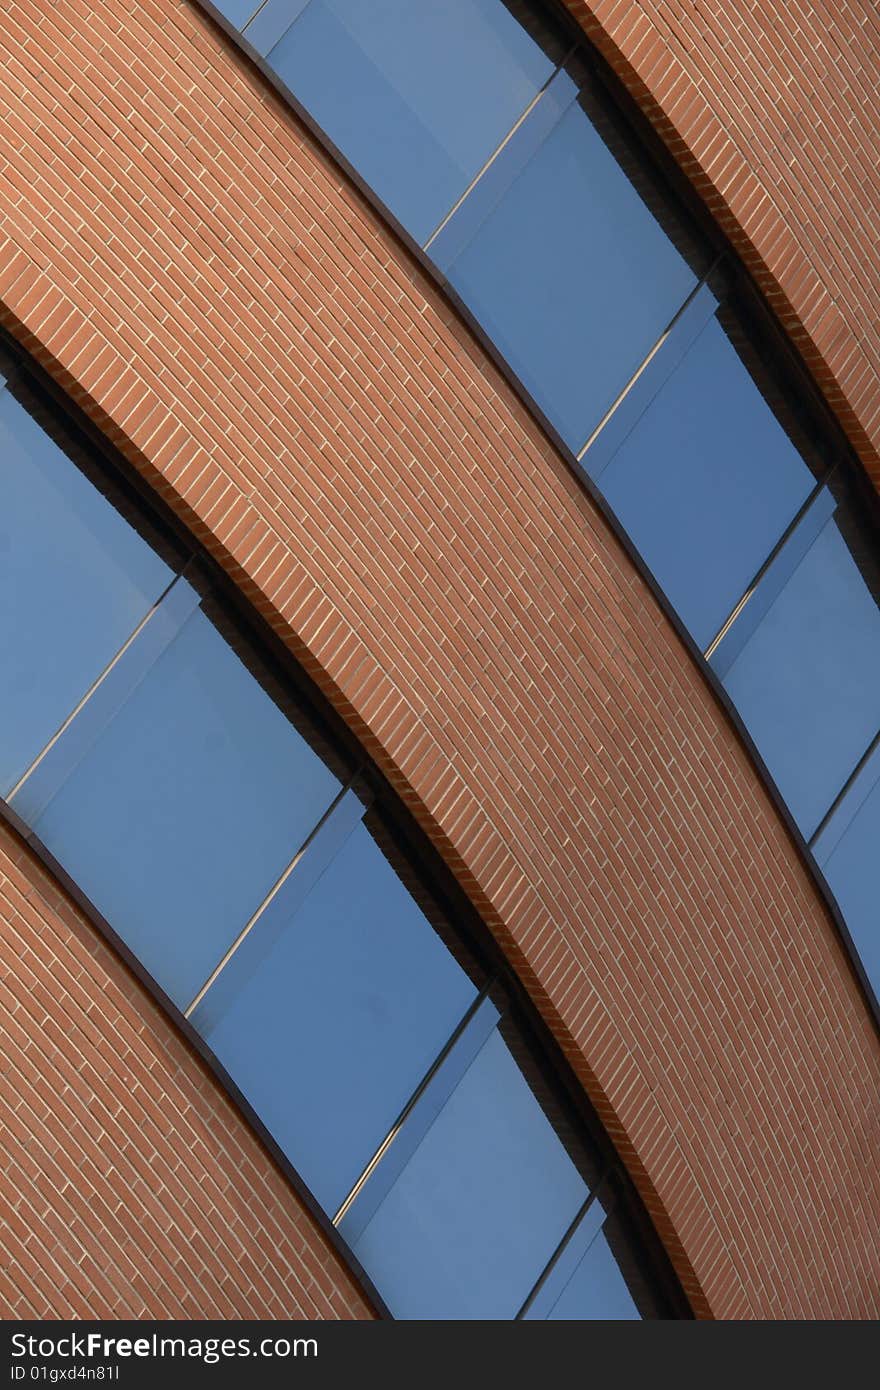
x,y
131,1188
773,110
205,283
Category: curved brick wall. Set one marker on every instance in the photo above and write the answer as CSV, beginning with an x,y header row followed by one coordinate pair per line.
x,y
773,111
207,285
131,1187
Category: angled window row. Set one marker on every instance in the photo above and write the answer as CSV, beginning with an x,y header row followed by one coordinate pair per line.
x,y
483,136
243,861
481,128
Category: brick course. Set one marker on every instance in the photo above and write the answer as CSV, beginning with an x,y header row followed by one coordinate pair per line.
x,y
207,285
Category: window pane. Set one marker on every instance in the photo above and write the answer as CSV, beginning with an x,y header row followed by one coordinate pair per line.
x,y
572,277
807,681
75,581
854,878
330,1030
596,1290
187,809
706,483
480,1208
271,22
238,12
416,96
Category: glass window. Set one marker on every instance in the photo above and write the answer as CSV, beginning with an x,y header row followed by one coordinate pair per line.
x,y
593,1275
187,809
854,878
481,1206
597,1289
75,581
572,277
329,1028
271,23
807,680
706,483
238,12
416,96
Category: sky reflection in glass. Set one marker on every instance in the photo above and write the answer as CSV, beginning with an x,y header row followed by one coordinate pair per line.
x,y
330,1030
706,483
190,805
807,681
238,12
75,581
481,1206
596,1290
416,96
572,277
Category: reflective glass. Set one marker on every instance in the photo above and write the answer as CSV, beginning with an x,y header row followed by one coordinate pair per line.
x,y
330,1030
187,809
238,12
416,96
596,1290
807,680
75,581
481,1206
271,23
706,483
853,874
572,277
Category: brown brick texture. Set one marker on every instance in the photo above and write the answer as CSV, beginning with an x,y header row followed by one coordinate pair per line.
x,y
208,286
131,1188
773,110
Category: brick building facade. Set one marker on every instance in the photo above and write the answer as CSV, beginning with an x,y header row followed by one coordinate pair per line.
x,y
201,279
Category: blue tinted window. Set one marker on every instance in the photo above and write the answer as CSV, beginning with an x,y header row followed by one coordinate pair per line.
x,y
75,581
596,1290
481,1206
853,874
271,23
572,277
584,1280
238,12
706,483
416,96
186,810
330,1030
807,681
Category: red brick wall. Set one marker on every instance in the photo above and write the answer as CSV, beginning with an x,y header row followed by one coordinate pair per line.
x,y
131,1188
206,284
774,111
